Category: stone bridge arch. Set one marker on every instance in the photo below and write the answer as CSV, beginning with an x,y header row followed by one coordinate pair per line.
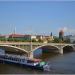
x,y
14,49
57,49
68,48
45,46
60,48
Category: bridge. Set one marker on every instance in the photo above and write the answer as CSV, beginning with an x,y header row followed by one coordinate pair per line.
x,y
28,48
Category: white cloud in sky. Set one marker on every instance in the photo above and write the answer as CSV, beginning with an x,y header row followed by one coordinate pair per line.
x,y
65,29
68,30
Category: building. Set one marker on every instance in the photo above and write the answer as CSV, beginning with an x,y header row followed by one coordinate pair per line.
x,y
22,37
44,38
2,36
29,37
39,37
33,36
61,34
17,36
51,34
71,38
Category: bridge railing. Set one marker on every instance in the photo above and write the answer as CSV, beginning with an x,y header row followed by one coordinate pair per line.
x,y
33,43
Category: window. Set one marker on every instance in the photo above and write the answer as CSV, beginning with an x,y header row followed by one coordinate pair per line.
x,y
23,60
29,61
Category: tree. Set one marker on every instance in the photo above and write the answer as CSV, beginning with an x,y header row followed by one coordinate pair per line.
x,y
67,41
2,39
56,40
40,40
33,40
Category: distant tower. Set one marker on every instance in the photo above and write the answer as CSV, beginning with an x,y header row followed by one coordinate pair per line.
x,y
61,34
51,34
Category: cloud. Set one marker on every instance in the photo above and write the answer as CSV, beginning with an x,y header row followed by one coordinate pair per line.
x,y
65,29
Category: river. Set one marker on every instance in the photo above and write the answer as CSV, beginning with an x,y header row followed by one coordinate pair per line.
x,y
60,64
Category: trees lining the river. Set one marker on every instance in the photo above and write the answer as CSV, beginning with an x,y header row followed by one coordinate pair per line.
x,y
56,40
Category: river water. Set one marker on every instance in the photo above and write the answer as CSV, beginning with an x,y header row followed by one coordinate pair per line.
x,y
60,64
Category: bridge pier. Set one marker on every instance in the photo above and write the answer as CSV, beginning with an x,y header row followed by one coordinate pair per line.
x,y
61,51
73,48
31,55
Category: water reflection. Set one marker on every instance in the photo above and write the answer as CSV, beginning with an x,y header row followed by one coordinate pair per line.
x,y
60,64
44,55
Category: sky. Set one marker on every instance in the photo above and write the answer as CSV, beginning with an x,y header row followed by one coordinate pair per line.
x,y
37,17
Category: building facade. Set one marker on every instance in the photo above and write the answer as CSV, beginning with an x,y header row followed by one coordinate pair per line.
x,y
71,38
61,35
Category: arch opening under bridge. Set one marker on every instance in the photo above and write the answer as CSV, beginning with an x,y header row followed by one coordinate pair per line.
x,y
13,50
67,49
45,50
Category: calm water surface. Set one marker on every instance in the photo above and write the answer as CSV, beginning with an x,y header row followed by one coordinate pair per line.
x,y
60,64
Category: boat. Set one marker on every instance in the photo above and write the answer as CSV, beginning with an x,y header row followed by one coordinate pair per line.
x,y
23,60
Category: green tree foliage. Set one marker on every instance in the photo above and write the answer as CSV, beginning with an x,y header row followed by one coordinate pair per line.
x,y
39,40
14,40
2,39
67,41
34,40
56,40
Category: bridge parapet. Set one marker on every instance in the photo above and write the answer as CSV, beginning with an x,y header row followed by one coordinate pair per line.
x,y
26,45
